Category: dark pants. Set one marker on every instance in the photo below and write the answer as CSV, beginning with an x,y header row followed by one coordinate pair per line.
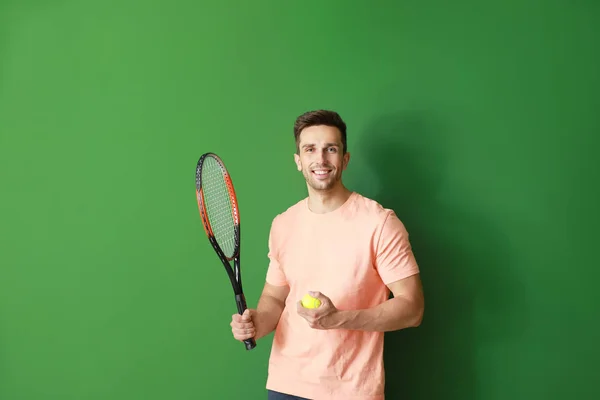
x,y
282,396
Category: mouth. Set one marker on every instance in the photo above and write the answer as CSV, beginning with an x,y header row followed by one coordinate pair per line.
x,y
321,173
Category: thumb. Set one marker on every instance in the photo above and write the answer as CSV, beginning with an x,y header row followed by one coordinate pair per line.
x,y
247,315
322,298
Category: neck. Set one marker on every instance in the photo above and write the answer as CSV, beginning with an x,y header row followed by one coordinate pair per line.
x,y
324,201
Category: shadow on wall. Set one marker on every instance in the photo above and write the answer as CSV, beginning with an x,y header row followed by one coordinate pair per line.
x,y
472,297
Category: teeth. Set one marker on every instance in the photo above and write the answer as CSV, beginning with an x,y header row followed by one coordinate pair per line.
x,y
321,172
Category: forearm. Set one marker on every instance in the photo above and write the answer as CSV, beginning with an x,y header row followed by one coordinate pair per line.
x,y
267,316
394,314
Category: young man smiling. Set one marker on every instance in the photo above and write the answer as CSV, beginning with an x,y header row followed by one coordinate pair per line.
x,y
349,252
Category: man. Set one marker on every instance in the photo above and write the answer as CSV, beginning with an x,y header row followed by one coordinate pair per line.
x,y
347,251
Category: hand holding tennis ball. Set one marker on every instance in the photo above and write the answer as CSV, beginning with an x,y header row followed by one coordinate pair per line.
x,y
319,312
310,302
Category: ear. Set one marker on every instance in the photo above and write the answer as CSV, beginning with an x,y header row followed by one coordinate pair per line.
x,y
346,160
297,161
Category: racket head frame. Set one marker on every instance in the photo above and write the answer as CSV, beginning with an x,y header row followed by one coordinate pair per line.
x,y
235,272
235,275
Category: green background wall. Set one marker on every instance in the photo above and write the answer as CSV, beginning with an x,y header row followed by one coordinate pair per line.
x,y
476,121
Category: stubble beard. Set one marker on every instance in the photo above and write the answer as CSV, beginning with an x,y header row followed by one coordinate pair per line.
x,y
320,185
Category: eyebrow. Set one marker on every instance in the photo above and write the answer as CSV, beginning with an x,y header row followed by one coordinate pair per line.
x,y
326,145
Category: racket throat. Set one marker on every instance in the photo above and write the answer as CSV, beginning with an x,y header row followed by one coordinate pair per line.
x,y
240,300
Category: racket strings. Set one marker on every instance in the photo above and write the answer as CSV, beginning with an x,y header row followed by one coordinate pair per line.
x,y
219,207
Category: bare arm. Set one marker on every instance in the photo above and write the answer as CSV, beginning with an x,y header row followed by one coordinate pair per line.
x,y
404,310
261,321
269,309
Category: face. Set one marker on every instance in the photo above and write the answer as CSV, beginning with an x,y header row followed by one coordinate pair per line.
x,y
320,157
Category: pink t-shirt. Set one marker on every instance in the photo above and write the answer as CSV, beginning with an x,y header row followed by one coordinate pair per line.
x,y
349,255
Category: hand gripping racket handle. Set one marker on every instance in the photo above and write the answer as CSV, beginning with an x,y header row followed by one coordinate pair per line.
x,y
240,300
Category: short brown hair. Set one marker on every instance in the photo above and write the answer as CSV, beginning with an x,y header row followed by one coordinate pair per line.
x,y
320,117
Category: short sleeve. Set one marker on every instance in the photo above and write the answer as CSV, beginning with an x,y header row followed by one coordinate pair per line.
x,y
394,256
275,275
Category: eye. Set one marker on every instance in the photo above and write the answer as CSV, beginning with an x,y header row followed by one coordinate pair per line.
x,y
332,149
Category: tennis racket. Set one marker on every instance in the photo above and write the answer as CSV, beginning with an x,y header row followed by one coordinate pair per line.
x,y
220,216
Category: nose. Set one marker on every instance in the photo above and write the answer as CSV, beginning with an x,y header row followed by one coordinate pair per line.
x,y
321,156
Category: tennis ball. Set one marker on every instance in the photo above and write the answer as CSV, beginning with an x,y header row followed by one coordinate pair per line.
x,y
310,302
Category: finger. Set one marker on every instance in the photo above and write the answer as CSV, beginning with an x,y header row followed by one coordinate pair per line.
x,y
301,309
305,314
244,333
320,296
243,337
242,325
241,318
325,301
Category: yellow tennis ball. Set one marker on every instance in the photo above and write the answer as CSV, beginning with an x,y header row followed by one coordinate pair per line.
x,y
310,302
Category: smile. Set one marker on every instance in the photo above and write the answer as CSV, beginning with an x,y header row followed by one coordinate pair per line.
x,y
321,173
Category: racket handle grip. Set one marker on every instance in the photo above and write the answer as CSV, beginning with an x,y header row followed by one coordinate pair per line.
x,y
250,343
240,300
